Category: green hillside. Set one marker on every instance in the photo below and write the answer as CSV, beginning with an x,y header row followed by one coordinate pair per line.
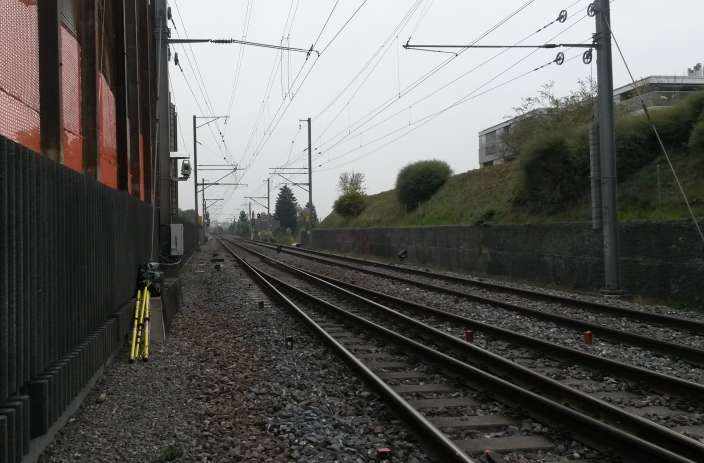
x,y
549,180
488,195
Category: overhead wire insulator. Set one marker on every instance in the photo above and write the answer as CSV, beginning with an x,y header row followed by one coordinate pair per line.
x,y
560,59
562,17
176,59
587,56
591,10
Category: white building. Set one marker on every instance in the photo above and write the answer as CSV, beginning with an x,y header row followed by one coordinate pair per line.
x,y
656,91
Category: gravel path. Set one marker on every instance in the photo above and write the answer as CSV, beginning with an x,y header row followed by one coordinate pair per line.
x,y
236,381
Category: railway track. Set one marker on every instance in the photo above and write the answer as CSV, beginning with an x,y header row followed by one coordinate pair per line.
x,y
551,400
668,320
611,334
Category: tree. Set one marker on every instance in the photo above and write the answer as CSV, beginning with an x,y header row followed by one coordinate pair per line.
x,y
419,181
352,199
308,217
243,227
350,182
286,209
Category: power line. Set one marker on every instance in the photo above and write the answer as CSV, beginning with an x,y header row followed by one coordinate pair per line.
x,y
357,130
195,68
275,121
657,135
326,22
428,118
404,20
391,101
240,58
468,97
342,28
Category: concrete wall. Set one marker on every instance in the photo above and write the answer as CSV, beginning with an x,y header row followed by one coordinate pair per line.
x,y
658,259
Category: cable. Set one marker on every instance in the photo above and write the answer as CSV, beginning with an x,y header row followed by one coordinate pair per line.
x,y
391,101
238,65
275,121
195,68
422,16
453,105
382,108
384,45
657,135
339,31
326,23
428,118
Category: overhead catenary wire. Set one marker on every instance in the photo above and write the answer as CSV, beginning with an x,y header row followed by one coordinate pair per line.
x,y
412,86
279,113
356,130
458,102
198,76
428,118
654,128
240,58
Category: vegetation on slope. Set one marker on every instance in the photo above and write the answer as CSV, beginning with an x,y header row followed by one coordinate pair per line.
x,y
550,179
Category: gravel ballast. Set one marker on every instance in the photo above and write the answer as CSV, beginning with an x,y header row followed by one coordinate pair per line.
x,y
238,379
498,316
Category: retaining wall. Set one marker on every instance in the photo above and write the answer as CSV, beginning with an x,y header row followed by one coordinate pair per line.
x,y
657,259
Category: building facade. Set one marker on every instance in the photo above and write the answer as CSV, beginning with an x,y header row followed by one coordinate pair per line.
x,y
656,91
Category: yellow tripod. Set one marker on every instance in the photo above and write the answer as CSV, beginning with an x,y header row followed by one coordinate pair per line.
x,y
139,346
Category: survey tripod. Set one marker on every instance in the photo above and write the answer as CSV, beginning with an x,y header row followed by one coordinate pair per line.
x,y
148,283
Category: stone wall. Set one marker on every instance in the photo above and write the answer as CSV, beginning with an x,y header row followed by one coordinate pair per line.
x,y
657,259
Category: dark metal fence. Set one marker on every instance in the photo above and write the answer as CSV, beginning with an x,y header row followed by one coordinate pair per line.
x,y
69,252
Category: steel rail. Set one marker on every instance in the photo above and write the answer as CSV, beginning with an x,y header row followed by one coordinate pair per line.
x,y
440,441
668,320
666,383
669,348
631,444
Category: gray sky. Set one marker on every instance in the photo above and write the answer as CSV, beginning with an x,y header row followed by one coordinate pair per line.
x,y
657,38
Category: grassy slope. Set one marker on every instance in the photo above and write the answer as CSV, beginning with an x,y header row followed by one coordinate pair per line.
x,y
486,195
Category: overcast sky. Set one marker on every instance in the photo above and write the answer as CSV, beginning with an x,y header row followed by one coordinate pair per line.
x,y
365,71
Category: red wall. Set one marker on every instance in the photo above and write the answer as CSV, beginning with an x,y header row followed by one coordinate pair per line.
x,y
20,102
71,95
19,73
107,135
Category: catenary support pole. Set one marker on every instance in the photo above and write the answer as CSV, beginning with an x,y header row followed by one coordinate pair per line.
x,y
268,196
310,165
612,281
595,171
195,167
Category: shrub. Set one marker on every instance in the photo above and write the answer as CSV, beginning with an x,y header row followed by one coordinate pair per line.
x,y
552,173
419,181
350,204
696,140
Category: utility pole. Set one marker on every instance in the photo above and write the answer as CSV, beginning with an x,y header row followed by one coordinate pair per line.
x,y
310,162
607,145
606,162
195,154
251,222
195,167
268,196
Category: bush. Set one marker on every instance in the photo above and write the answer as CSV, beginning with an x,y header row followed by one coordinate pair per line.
x,y
696,140
419,181
350,204
553,171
